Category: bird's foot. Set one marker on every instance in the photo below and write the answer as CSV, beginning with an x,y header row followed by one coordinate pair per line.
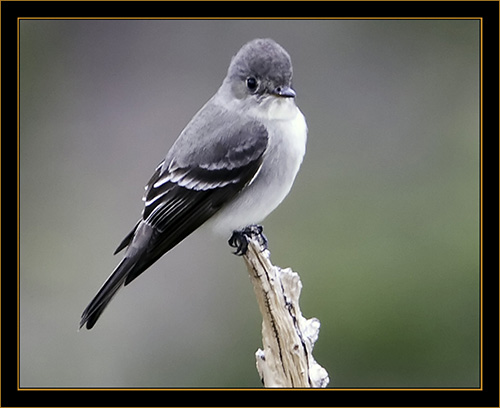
x,y
239,239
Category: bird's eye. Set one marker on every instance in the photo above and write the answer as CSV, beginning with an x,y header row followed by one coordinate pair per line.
x,y
252,83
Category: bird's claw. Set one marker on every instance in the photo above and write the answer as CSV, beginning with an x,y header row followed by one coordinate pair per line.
x,y
239,239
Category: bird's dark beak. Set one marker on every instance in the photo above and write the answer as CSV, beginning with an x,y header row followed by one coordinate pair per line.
x,y
284,92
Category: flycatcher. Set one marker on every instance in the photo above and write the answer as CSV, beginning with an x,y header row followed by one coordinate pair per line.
x,y
232,165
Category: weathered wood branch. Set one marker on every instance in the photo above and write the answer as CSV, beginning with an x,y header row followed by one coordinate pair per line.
x,y
287,337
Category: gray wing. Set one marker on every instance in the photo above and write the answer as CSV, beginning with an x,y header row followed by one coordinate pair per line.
x,y
184,192
181,197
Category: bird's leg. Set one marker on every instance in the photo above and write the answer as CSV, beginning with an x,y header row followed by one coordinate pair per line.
x,y
239,239
260,235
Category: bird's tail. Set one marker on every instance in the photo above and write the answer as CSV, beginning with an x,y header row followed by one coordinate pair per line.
x,y
107,292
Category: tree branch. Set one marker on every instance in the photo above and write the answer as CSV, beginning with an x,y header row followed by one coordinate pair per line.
x,y
287,337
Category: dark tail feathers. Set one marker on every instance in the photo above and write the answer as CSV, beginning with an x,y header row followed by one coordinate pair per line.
x,y
107,292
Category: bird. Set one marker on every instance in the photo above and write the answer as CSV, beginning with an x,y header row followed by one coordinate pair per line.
x,y
231,166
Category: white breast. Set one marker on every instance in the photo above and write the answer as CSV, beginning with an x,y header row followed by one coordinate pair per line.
x,y
282,159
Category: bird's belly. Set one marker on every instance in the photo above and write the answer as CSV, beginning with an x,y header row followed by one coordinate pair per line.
x,y
282,159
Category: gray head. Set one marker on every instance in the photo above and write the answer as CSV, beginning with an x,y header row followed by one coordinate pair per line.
x,y
261,68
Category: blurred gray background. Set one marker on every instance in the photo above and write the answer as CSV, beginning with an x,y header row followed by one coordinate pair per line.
x,y
382,223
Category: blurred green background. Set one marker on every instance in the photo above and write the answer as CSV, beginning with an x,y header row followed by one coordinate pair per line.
x,y
382,223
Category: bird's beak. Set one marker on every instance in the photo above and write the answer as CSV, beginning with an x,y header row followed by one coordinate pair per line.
x,y
284,92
